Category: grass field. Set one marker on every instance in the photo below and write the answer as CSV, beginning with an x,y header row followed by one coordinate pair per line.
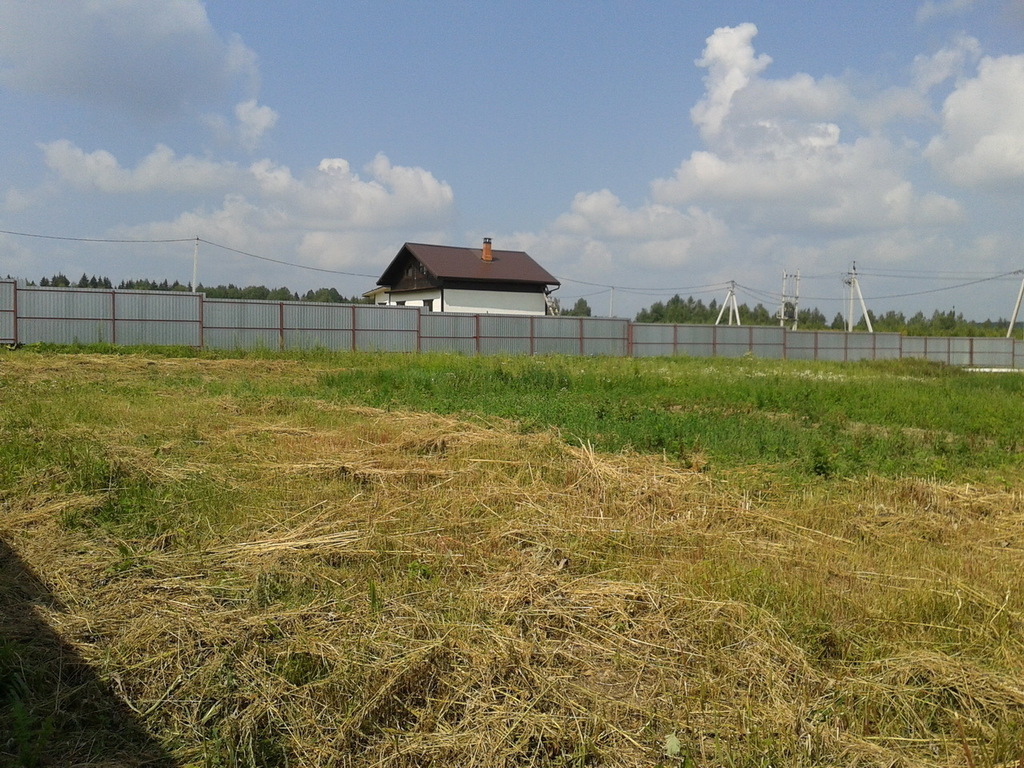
x,y
392,560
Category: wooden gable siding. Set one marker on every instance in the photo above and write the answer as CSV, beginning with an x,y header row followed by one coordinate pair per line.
x,y
414,277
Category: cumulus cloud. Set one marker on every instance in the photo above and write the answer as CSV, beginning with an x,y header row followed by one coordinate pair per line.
x,y
777,156
982,139
949,62
730,61
153,58
253,122
333,196
161,170
330,216
784,177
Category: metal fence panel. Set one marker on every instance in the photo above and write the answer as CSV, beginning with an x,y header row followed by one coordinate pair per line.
x,y
8,318
831,346
157,333
448,333
695,340
732,341
66,304
653,340
451,344
556,346
912,346
558,328
383,340
156,305
960,351
937,349
72,315
860,346
438,325
314,316
51,331
993,353
605,336
65,316
505,346
163,319
605,328
303,338
801,345
241,338
888,346
371,318
221,314
505,327
653,333
653,350
606,347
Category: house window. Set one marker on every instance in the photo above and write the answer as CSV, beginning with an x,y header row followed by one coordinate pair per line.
x,y
428,304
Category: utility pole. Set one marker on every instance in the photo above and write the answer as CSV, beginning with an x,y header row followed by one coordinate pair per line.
x,y
850,281
611,301
195,265
730,302
1016,307
790,282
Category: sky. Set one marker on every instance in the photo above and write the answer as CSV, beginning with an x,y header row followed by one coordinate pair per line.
x,y
636,150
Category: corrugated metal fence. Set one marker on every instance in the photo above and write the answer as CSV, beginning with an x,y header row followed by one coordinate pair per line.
x,y
82,315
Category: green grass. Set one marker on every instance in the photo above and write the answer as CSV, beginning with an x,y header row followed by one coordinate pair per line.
x,y
812,419
552,561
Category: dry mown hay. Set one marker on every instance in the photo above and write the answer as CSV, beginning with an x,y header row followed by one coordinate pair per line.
x,y
408,590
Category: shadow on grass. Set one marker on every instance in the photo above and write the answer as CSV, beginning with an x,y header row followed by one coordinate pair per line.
x,y
54,709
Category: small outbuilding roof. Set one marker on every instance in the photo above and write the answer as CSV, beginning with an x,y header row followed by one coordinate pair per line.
x,y
454,263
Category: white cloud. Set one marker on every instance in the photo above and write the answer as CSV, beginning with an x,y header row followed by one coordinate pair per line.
x,y
778,160
161,170
730,61
253,122
329,217
982,139
155,58
930,71
333,196
780,182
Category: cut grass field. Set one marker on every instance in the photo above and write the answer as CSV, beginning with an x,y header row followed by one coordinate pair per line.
x,y
390,560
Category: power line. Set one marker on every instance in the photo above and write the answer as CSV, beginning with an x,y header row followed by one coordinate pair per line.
x,y
698,289
96,239
280,261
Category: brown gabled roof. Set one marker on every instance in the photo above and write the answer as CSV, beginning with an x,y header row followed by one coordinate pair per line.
x,y
450,262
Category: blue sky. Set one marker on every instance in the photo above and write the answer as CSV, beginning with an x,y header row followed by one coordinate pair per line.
x,y
656,147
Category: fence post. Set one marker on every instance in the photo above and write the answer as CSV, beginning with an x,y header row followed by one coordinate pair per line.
x,y
353,327
201,298
113,318
15,333
280,325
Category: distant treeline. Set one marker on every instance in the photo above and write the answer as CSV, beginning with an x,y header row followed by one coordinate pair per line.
x,y
229,291
694,311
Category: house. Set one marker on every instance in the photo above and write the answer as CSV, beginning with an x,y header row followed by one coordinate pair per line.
x,y
444,278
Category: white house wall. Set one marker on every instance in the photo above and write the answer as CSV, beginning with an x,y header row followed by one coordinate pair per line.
x,y
472,302
500,302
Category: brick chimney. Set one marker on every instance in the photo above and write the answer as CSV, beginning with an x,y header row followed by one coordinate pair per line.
x,y
487,250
